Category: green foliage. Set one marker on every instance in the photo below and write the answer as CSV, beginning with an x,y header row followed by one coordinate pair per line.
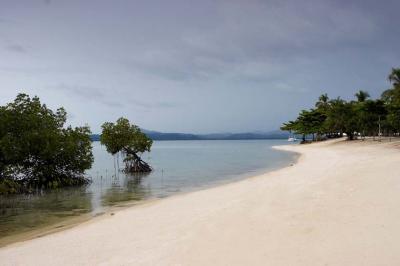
x,y
323,103
341,117
394,77
307,123
129,140
36,151
391,98
361,117
362,96
370,113
123,136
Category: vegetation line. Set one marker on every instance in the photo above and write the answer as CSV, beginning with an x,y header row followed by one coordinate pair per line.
x,y
37,150
360,118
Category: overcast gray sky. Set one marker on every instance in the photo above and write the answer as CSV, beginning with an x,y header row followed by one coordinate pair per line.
x,y
194,66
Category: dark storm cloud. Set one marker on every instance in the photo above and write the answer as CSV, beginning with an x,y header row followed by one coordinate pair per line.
x,y
258,39
222,65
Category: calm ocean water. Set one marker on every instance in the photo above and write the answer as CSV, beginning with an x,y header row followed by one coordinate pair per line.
x,y
179,166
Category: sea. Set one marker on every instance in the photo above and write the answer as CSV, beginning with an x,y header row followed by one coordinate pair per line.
x,y
178,167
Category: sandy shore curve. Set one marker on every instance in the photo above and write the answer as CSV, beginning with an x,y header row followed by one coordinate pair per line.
x,y
338,205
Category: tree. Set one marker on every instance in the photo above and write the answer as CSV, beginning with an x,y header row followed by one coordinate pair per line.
x,y
289,126
341,118
129,140
309,122
366,116
392,95
391,98
371,115
394,77
393,118
323,101
362,96
36,151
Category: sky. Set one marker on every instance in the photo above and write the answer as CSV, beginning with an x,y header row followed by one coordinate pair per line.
x,y
194,66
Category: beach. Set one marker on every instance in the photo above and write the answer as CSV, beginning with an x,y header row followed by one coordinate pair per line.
x,y
338,205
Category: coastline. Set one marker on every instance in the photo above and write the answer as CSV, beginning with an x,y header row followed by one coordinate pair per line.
x,y
289,216
73,221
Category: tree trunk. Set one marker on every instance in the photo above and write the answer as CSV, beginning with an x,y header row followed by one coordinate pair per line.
x,y
134,164
350,136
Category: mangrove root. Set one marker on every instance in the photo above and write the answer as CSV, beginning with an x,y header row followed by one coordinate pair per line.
x,y
137,166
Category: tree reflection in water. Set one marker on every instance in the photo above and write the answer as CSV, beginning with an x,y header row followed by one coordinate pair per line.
x,y
21,213
126,187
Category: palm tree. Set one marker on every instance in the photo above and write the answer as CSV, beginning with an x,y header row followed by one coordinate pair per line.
x,y
322,100
394,77
362,96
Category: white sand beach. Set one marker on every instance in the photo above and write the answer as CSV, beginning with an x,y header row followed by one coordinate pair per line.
x,y
338,205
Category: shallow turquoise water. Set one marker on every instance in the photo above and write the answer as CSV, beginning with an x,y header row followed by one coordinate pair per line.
x,y
179,166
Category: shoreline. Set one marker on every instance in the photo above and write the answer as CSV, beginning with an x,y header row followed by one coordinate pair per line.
x,y
308,213
74,221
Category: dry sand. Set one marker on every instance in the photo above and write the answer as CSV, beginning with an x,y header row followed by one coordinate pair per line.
x,y
339,205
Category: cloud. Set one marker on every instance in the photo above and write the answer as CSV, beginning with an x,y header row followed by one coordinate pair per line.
x,y
164,62
16,48
254,41
113,104
104,96
88,93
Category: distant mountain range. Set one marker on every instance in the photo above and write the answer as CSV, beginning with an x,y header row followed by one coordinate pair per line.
x,y
155,135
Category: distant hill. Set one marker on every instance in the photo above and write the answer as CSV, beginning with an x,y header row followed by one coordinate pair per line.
x,y
95,137
155,135
277,134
